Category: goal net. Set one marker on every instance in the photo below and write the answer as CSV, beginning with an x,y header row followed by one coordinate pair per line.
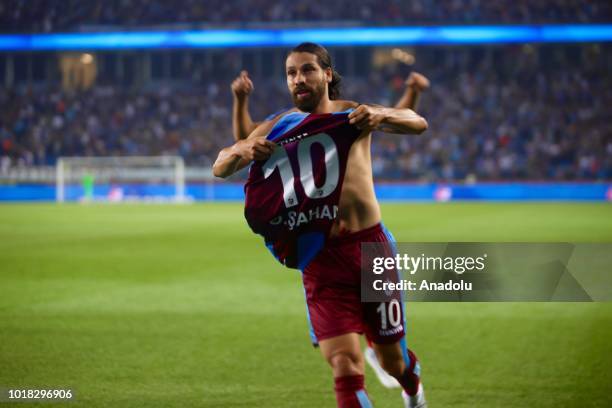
x,y
117,179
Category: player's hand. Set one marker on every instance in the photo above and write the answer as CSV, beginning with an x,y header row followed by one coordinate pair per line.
x,y
418,82
242,86
366,117
258,148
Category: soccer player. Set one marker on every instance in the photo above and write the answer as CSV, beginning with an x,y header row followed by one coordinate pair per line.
x,y
243,125
310,194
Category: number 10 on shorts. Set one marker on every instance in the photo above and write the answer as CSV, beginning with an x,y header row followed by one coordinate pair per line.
x,y
389,312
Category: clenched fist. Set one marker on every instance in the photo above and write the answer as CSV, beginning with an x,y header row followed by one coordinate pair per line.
x,y
255,149
418,82
242,86
366,117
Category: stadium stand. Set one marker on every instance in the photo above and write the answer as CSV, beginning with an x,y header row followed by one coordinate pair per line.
x,y
74,15
499,113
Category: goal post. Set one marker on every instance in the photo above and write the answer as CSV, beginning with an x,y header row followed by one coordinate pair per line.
x,y
120,178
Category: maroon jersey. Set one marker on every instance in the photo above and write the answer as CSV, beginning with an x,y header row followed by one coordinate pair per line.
x,y
292,197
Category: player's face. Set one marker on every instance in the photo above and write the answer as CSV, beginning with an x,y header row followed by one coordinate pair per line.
x,y
306,80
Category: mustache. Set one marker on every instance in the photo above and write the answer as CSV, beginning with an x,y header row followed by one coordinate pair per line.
x,y
301,89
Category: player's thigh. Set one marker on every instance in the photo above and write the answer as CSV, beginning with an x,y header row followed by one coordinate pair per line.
x,y
343,353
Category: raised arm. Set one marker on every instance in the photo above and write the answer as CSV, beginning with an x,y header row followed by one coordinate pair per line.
x,y
390,120
415,84
242,123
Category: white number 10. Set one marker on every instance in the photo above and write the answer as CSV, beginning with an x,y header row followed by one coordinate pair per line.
x,y
394,316
280,160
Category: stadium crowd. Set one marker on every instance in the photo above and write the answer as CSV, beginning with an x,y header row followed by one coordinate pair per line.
x,y
71,15
517,112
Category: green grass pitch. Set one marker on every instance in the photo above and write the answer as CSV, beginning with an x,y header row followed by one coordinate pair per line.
x,y
182,306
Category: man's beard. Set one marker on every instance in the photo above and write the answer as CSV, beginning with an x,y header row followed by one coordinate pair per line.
x,y
310,102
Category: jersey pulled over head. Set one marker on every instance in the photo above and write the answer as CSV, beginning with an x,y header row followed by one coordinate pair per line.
x,y
292,197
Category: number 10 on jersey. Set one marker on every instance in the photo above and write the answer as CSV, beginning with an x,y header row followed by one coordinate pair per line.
x,y
280,159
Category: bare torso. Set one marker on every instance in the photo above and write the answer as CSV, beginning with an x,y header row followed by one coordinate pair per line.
x,y
358,208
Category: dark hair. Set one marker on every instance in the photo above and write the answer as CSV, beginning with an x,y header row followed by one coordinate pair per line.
x,y
324,61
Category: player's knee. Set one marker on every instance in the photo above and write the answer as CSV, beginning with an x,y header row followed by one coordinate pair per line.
x,y
344,362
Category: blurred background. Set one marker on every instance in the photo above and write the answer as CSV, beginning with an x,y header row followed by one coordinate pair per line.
x,y
511,115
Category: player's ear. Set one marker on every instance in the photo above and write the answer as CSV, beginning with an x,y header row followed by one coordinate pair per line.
x,y
329,74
